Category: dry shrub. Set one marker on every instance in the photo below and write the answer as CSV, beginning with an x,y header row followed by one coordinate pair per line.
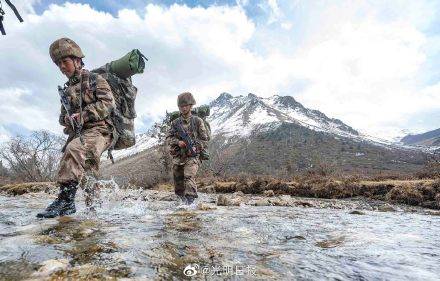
x,y
383,176
23,188
321,170
406,194
377,191
257,186
334,189
431,170
225,187
278,187
143,182
437,200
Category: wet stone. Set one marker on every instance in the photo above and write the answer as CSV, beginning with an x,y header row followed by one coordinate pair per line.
x,y
356,212
51,266
269,193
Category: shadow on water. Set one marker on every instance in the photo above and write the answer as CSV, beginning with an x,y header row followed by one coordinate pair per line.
x,y
175,251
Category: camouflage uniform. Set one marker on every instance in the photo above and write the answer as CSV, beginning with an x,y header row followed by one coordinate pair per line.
x,y
185,167
94,103
97,127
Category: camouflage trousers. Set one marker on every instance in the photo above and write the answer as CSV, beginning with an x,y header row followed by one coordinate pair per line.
x,y
80,159
184,177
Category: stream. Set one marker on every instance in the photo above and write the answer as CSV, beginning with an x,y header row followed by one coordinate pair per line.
x,y
146,235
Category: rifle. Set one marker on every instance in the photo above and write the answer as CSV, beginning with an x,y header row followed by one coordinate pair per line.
x,y
186,138
2,14
65,102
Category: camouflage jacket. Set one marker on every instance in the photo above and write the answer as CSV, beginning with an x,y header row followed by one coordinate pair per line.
x,y
97,104
195,127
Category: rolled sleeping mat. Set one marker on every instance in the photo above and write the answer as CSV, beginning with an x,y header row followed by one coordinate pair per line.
x,y
130,64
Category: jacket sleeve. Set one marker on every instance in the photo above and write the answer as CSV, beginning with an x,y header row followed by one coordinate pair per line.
x,y
202,134
104,104
62,115
67,126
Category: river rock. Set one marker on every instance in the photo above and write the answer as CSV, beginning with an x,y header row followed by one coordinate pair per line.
x,y
284,200
432,212
205,207
52,266
357,212
223,200
261,202
238,193
269,193
386,208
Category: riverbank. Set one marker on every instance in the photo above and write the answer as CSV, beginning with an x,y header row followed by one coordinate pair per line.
x,y
423,193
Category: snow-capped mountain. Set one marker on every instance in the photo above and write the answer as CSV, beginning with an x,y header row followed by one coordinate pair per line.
x,y
240,116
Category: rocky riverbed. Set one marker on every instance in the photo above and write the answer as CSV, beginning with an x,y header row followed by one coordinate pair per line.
x,y
147,235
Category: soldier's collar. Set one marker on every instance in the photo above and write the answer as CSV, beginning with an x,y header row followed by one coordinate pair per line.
x,y
187,118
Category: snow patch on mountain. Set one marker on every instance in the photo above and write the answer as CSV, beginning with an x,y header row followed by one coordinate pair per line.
x,y
242,115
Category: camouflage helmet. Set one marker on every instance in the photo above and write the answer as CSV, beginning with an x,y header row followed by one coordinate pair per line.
x,y
64,47
185,99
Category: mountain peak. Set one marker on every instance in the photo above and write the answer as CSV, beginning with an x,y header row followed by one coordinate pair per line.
x,y
243,115
225,96
253,96
222,100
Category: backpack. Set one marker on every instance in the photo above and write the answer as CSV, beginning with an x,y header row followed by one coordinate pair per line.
x,y
202,111
118,75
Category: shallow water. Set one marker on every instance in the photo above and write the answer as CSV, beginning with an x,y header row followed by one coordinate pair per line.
x,y
144,235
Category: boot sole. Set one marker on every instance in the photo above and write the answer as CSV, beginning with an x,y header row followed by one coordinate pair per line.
x,y
63,213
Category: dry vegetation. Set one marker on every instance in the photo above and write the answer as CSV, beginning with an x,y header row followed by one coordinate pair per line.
x,y
22,188
425,193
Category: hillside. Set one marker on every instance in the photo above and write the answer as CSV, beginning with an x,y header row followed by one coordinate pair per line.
x,y
427,139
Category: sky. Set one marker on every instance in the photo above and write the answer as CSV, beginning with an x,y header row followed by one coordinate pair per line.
x,y
372,64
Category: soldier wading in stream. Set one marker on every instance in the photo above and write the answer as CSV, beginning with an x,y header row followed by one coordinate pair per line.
x,y
187,137
90,102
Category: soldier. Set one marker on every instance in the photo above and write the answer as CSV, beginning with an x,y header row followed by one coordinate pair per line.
x,y
186,161
91,102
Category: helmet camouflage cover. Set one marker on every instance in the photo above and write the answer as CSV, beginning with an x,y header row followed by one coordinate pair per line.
x,y
64,47
185,99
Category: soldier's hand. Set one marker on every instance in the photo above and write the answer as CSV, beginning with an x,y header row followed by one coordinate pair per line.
x,y
75,116
181,144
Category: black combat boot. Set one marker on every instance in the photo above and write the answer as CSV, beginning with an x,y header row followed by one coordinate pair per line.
x,y
189,199
65,203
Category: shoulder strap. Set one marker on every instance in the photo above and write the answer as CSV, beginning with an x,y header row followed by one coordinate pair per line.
x,y
93,77
193,126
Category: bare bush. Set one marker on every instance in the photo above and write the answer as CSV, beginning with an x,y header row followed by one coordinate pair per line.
x,y
32,158
431,170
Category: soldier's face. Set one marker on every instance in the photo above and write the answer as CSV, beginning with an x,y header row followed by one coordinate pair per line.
x,y
185,109
67,66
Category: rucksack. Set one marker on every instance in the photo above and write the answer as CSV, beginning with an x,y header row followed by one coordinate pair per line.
x,y
118,75
202,111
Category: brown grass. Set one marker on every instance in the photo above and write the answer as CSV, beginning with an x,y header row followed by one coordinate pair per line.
x,y
23,188
424,193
